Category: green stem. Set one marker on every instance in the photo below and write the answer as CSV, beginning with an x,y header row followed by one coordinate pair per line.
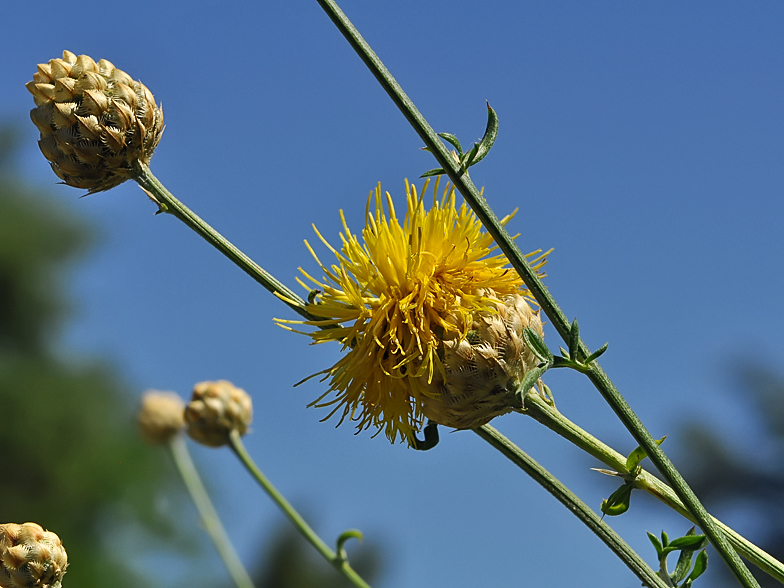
x,y
207,512
582,511
550,417
469,191
339,562
169,204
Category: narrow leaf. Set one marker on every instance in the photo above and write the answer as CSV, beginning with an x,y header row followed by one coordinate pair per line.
x,y
453,141
618,502
636,456
491,132
689,542
470,158
345,536
433,172
596,354
683,566
537,345
656,544
574,340
699,566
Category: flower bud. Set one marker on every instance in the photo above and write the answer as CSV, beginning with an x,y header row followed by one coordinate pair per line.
x,y
161,416
216,409
482,371
30,557
94,120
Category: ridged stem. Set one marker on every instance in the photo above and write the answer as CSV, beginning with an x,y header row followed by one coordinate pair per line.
x,y
337,561
469,191
209,516
550,417
169,204
576,506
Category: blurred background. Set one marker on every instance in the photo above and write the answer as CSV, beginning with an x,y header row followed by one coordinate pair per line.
x,y
643,143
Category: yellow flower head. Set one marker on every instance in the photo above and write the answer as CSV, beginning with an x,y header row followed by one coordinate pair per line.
x,y
395,296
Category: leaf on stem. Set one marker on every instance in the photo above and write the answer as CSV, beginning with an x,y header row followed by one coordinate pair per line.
x,y
477,153
537,345
340,549
636,456
618,502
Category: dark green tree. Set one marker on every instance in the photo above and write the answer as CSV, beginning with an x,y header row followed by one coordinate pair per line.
x,y
72,460
732,475
291,562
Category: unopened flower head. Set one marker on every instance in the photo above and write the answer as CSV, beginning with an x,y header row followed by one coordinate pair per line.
x,y
161,416
30,557
94,119
403,300
216,409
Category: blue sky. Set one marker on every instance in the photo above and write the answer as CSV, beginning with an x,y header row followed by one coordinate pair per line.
x,y
642,142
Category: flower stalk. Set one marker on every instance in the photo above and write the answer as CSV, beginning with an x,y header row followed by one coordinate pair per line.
x,y
543,412
338,560
597,376
169,204
209,516
581,510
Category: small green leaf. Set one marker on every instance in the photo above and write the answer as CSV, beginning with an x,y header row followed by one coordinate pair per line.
x,y
665,539
530,378
537,345
433,172
596,354
491,132
699,566
345,536
618,502
453,141
683,566
470,157
574,340
688,543
564,353
636,456
656,544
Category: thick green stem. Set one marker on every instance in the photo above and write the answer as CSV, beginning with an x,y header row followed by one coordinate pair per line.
x,y
581,510
338,562
207,512
169,204
469,191
550,417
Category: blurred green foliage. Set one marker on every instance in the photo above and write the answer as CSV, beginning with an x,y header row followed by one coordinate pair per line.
x,y
291,562
72,460
741,479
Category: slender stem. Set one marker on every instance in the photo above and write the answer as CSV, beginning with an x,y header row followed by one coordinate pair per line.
x,y
582,511
169,204
550,417
338,562
469,191
207,512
